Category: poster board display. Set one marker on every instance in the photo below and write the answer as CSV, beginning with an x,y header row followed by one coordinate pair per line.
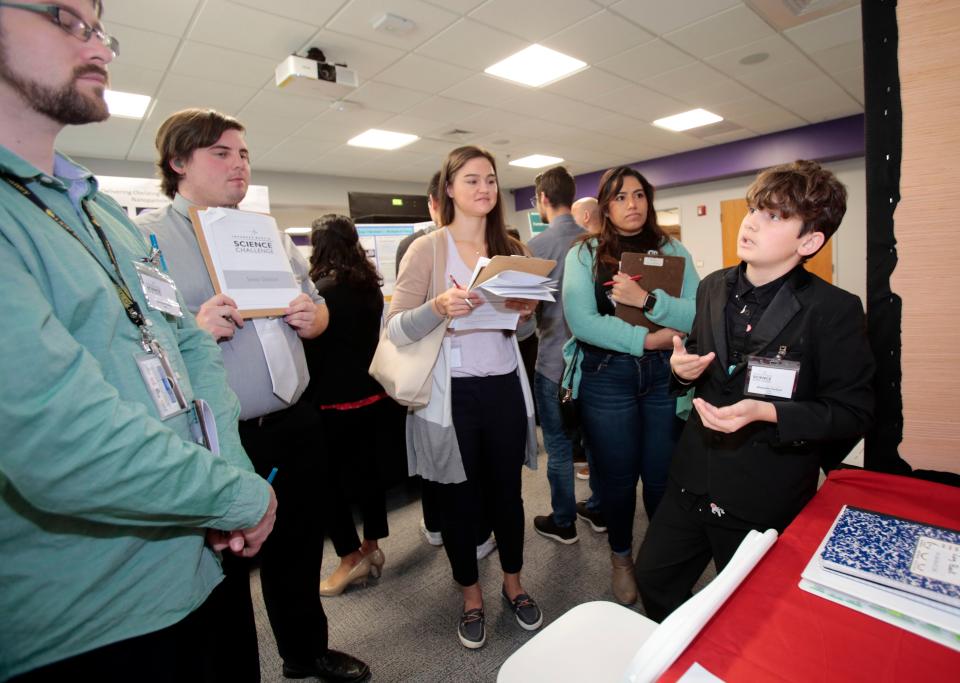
x,y
380,242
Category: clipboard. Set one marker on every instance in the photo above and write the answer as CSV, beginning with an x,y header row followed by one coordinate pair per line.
x,y
270,267
659,272
523,264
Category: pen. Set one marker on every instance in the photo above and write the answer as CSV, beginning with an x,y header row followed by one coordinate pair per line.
x,y
457,285
272,474
156,245
610,283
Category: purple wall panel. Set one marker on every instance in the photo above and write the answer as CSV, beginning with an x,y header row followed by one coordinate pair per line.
x,y
828,141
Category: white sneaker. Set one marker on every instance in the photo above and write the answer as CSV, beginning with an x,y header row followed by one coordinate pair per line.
x,y
487,547
433,537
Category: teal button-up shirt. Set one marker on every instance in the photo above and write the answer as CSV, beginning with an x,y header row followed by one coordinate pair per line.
x,y
102,504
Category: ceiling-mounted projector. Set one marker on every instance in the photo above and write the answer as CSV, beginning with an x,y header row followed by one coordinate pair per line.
x,y
312,75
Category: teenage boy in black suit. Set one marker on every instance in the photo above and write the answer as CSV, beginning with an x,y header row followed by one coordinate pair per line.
x,y
782,372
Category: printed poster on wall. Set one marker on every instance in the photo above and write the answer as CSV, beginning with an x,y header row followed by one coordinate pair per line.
x,y
380,242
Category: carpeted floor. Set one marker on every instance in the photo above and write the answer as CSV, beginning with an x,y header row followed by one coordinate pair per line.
x,y
404,624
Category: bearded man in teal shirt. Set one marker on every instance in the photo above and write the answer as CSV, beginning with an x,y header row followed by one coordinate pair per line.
x,y
111,514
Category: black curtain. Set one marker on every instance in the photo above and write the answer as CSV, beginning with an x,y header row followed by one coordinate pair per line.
x,y
883,129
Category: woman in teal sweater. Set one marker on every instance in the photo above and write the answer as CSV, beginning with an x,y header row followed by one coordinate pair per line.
x,y
622,371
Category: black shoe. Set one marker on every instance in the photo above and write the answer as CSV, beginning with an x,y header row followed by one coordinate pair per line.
x,y
592,517
528,613
471,631
330,666
545,526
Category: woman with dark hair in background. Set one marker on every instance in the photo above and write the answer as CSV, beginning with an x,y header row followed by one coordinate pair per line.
x,y
353,406
622,373
471,440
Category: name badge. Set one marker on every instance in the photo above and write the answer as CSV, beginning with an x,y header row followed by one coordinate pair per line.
x,y
771,377
159,289
161,382
456,356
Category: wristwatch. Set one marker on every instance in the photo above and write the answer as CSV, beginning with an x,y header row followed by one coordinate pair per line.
x,y
649,302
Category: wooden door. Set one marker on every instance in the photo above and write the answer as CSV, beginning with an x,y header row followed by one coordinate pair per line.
x,y
732,212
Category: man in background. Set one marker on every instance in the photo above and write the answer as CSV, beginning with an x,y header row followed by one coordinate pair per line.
x,y
555,189
203,162
586,213
110,511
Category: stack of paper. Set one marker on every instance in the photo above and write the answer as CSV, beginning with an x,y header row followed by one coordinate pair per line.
x,y
512,284
502,278
903,572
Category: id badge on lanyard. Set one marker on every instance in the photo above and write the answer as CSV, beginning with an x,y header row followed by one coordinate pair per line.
x,y
161,380
159,289
774,377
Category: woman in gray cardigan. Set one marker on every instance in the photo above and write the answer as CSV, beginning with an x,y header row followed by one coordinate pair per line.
x,y
471,440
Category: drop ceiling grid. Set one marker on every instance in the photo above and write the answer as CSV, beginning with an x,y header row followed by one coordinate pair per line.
x,y
647,59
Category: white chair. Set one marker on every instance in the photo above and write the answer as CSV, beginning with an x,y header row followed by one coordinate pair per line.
x,y
603,641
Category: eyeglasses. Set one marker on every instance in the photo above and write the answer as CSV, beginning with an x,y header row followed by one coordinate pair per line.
x,y
70,23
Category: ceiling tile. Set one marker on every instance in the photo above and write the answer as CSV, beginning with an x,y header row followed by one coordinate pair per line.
x,y
715,93
598,37
663,17
171,16
134,79
815,100
852,82
357,17
273,103
640,102
187,91
315,12
829,31
422,73
335,126
485,90
229,25
386,97
646,61
770,120
775,76
587,85
294,152
148,49
721,32
778,51
686,79
227,66
404,123
444,109
472,45
533,19
459,6
840,57
107,140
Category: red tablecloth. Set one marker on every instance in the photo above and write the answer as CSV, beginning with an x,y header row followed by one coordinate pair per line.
x,y
772,630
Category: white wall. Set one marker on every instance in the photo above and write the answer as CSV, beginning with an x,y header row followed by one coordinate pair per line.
x,y
702,234
326,194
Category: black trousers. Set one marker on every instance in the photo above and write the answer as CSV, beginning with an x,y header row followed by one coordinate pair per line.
x,y
351,472
491,424
290,558
193,649
684,535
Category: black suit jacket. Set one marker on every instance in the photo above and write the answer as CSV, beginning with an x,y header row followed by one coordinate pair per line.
x,y
765,473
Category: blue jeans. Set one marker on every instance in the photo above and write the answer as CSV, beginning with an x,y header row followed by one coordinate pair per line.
x,y
629,420
559,449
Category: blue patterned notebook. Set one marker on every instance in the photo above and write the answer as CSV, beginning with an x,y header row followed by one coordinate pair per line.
x,y
916,558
